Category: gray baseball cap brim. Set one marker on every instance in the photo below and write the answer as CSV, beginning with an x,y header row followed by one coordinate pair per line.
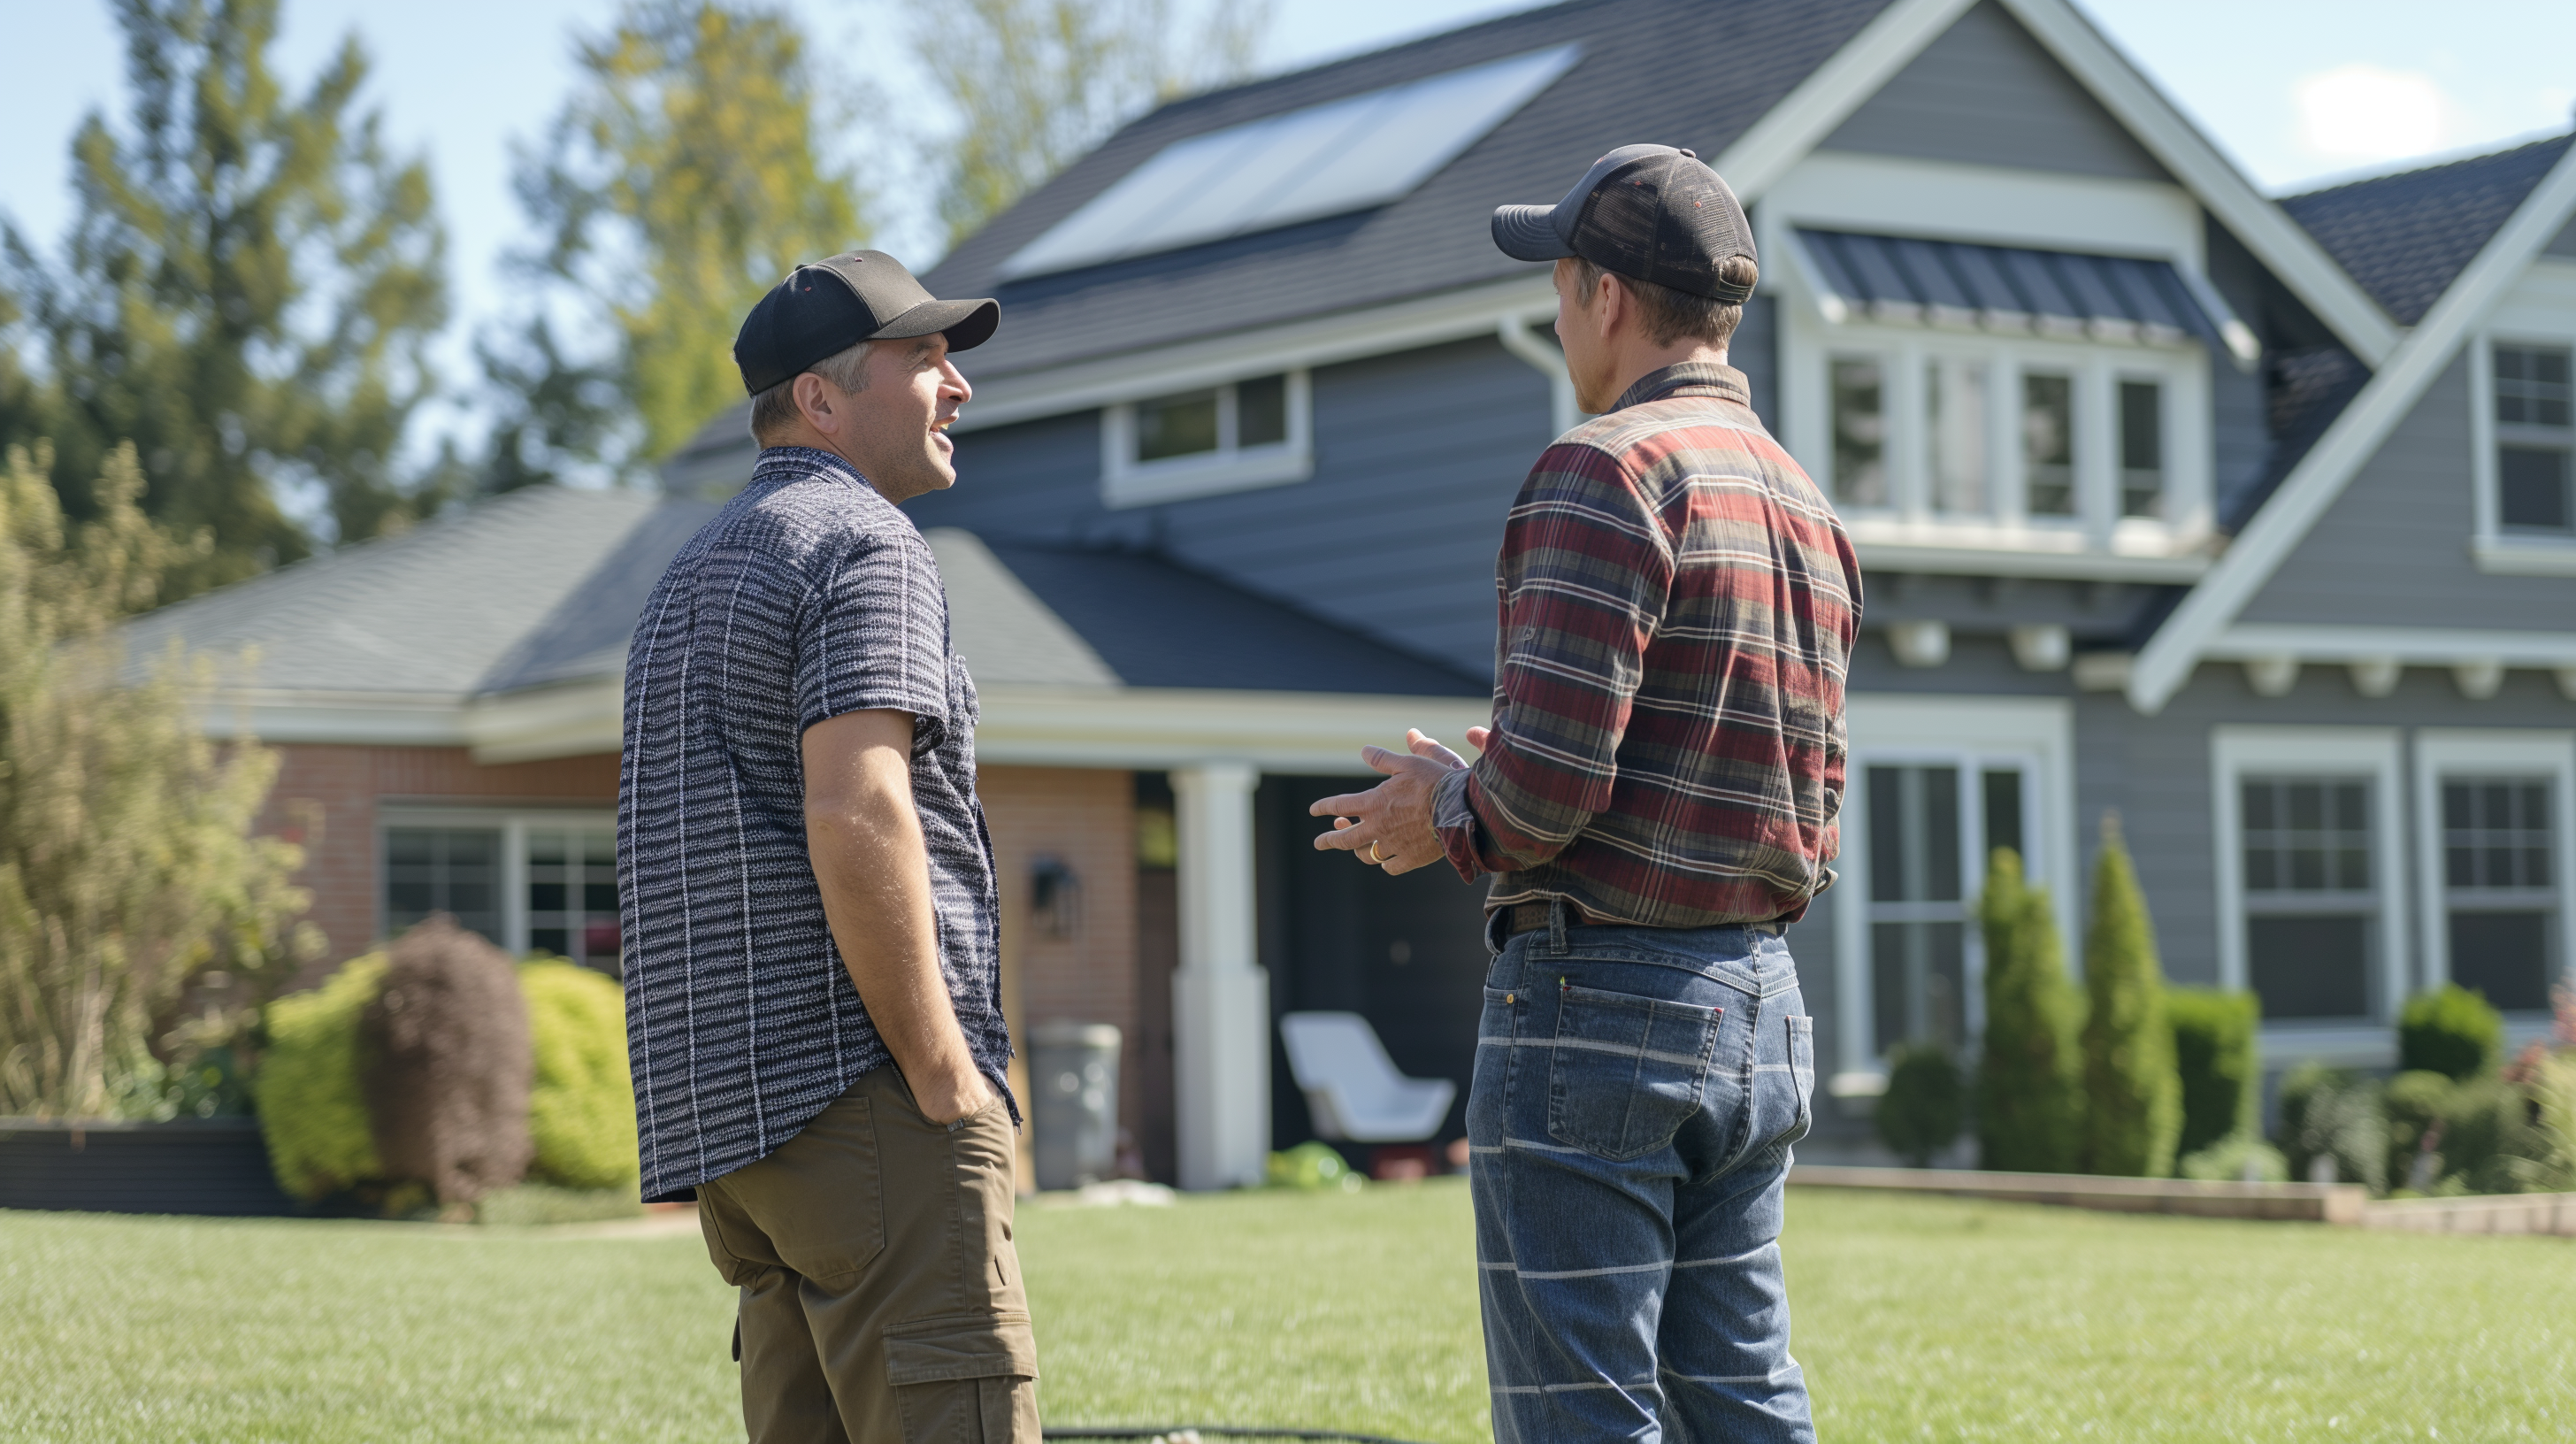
x,y
1545,233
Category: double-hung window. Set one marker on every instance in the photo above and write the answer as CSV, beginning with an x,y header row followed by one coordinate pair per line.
x,y
2492,806
2535,440
2310,861
541,882
1932,825
1254,432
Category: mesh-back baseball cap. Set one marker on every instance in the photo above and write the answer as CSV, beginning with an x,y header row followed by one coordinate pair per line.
x,y
1648,212
826,307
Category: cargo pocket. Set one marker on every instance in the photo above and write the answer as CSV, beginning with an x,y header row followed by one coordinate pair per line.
x,y
964,1380
1626,1072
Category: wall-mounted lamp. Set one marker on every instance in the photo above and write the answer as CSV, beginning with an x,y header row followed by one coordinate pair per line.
x,y
1055,898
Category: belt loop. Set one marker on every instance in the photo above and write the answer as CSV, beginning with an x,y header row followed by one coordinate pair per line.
x,y
1556,925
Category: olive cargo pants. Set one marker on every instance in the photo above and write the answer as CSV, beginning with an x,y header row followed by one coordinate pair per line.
x,y
881,1297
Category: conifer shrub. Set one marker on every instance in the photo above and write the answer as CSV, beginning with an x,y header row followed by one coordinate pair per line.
x,y
312,1112
2334,1127
2218,1063
2451,1031
2029,1077
445,1064
2132,1096
1925,1104
2237,1158
581,1108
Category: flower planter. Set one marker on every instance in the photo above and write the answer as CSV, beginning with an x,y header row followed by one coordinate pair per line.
x,y
192,1165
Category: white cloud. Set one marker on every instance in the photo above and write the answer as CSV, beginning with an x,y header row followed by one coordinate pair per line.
x,y
2367,113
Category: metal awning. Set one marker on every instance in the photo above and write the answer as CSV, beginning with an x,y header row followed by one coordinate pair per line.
x,y
2068,294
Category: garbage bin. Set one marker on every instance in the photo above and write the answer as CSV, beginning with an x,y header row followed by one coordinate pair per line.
x,y
1073,1069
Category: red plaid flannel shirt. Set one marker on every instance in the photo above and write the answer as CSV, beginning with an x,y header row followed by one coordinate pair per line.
x,y
1678,606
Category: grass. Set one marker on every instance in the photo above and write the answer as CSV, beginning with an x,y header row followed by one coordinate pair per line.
x,y
1917,1318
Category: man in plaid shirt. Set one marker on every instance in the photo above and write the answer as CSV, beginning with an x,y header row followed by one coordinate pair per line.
x,y
1656,799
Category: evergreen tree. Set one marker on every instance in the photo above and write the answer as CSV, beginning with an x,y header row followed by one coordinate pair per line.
x,y
1036,83
246,292
684,178
2029,1082
2132,1093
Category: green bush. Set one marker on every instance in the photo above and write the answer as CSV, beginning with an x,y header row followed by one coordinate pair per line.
x,y
2132,1096
1925,1103
2218,1062
1313,1164
2450,1031
2029,1078
2334,1127
2475,1134
581,1112
312,1111
2237,1158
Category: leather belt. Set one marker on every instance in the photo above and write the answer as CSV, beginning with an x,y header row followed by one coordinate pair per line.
x,y
1530,917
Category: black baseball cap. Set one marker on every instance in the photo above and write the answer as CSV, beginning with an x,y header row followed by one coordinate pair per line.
x,y
1648,212
824,308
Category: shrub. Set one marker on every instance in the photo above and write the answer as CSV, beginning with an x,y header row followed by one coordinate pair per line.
x,y
2029,1077
2218,1063
2237,1158
2132,1097
581,1109
2450,1031
2475,1134
312,1111
2333,1127
1313,1164
1923,1108
446,1064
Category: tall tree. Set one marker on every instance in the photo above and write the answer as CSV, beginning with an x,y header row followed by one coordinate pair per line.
x,y
2030,1104
246,292
126,861
2132,1091
684,177
1035,83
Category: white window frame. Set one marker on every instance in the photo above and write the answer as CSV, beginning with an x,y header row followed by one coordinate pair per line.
x,y
2495,550
2036,734
2374,752
514,825
1128,482
2442,754
2096,369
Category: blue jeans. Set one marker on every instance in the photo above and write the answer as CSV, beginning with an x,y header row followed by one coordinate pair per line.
x,y
1636,1093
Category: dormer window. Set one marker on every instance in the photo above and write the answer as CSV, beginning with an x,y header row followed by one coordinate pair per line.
x,y
1212,439
2535,418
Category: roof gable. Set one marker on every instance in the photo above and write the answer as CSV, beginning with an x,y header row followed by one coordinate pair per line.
x,y
2407,237
1985,92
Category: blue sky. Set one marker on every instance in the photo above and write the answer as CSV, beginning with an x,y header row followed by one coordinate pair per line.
x,y
2296,90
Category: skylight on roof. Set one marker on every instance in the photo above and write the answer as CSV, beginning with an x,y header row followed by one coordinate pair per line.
x,y
1325,160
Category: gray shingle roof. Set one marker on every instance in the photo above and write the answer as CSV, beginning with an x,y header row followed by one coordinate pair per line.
x,y
2406,237
1633,83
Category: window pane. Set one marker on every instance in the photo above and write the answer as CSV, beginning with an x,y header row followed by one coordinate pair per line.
x,y
1940,832
2531,385
2531,487
1261,411
2504,955
2048,443
2003,812
1954,394
2306,835
2310,967
2496,834
1919,976
2142,449
1887,834
1860,434
443,869
1176,426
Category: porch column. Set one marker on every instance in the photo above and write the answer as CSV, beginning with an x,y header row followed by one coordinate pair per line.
x,y
1220,995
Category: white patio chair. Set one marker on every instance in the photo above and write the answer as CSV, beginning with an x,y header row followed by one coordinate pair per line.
x,y
1352,1087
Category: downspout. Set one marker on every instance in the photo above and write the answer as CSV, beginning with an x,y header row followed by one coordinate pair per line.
x,y
1515,334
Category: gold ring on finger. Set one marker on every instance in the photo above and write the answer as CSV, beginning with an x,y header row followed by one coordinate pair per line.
x,y
1373,858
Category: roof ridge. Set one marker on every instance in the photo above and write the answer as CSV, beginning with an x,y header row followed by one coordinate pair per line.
x,y
1182,103
2559,139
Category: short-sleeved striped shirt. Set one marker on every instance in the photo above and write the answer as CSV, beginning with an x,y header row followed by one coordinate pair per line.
x,y
1678,605
807,597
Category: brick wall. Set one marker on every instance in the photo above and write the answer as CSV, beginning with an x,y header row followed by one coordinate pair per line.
x,y
327,795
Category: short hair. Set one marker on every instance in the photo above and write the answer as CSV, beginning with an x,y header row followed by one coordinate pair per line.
x,y
774,411
1669,315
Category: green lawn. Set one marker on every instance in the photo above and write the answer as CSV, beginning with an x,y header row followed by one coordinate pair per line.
x,y
1917,1319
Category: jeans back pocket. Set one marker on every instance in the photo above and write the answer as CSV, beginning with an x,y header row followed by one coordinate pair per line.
x,y
1625,1072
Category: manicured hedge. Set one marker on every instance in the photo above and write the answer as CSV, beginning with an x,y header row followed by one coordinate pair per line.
x,y
311,1108
582,1110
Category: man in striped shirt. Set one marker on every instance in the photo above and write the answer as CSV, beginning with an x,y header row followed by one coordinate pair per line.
x,y
1656,798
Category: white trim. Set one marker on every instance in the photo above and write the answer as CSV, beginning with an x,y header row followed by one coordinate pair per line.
x,y
1292,345
2520,556
2265,229
384,719
1897,727
2492,548
1968,559
2313,751
2414,646
2166,662
1989,205
1126,481
1150,727
2442,753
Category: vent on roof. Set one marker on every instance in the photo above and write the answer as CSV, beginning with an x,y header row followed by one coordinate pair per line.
x,y
1345,155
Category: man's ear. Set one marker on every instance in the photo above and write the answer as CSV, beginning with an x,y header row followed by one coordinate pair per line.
x,y
813,401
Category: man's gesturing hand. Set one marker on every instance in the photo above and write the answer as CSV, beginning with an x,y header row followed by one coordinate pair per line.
x,y
1390,824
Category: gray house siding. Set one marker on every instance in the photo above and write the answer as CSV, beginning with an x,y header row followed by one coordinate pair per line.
x,y
2564,243
2410,512
1986,93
